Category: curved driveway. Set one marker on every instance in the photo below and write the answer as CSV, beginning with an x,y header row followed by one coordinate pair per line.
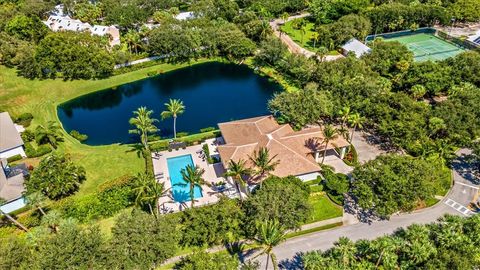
x,y
463,191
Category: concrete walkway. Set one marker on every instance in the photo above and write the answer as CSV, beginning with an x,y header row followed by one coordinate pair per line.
x,y
292,46
465,188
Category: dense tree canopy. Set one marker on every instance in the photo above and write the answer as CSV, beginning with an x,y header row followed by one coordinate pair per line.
x,y
394,183
300,108
452,243
142,241
285,199
56,177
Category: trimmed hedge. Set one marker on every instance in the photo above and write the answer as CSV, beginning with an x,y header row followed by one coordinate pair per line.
x,y
14,158
31,152
189,140
24,119
111,197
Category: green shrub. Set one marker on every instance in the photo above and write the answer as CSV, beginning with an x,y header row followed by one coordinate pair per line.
x,y
182,134
28,136
111,197
316,188
77,135
351,157
159,146
336,185
207,129
14,158
24,119
30,219
42,150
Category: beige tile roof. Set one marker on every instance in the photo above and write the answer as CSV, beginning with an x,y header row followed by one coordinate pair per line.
x,y
9,136
293,149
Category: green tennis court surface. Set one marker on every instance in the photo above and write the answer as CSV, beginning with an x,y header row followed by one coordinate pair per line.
x,y
428,47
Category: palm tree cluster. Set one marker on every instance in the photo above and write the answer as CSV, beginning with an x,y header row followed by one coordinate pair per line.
x,y
49,134
145,124
148,191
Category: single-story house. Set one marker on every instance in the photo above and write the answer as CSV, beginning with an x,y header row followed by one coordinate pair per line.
x,y
11,142
298,152
356,47
12,186
65,23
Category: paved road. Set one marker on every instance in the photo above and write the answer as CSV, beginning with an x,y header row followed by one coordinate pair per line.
x,y
463,191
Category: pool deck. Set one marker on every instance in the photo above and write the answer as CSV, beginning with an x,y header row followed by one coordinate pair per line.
x,y
213,174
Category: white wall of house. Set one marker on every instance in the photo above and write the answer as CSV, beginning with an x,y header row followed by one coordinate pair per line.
x,y
308,176
13,205
12,152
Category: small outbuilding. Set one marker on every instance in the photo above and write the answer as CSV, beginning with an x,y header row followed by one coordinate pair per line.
x,y
356,47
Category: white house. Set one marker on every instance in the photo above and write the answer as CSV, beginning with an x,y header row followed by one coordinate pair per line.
x,y
65,23
355,46
11,143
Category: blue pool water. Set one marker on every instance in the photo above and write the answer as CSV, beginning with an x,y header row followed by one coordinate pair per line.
x,y
175,165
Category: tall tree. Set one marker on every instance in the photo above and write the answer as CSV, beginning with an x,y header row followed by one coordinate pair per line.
x,y
148,191
270,234
144,124
194,178
50,134
174,107
329,134
238,170
263,162
56,177
14,221
355,121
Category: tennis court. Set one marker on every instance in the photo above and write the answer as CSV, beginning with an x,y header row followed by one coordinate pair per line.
x,y
428,47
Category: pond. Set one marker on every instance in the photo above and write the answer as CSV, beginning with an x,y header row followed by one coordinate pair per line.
x,y
212,93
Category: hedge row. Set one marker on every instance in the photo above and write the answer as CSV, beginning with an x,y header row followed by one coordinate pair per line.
x,y
41,150
111,197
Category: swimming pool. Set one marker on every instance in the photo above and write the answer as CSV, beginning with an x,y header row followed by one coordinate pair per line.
x,y
175,165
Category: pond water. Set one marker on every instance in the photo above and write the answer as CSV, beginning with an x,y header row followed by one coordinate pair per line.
x,y
212,93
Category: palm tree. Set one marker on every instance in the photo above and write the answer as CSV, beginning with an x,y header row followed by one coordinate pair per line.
x,y
175,107
148,191
356,121
237,170
36,199
261,159
14,221
194,178
315,37
344,114
321,53
133,40
50,134
329,134
265,29
144,124
270,234
345,250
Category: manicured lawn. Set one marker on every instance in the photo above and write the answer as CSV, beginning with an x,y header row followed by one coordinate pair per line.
x,y
41,98
296,35
323,208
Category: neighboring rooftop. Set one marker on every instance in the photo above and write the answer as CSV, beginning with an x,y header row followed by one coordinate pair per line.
x,y
11,188
357,47
295,150
65,23
9,136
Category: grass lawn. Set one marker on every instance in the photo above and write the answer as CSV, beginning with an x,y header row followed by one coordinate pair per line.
x,y
323,208
41,98
296,35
